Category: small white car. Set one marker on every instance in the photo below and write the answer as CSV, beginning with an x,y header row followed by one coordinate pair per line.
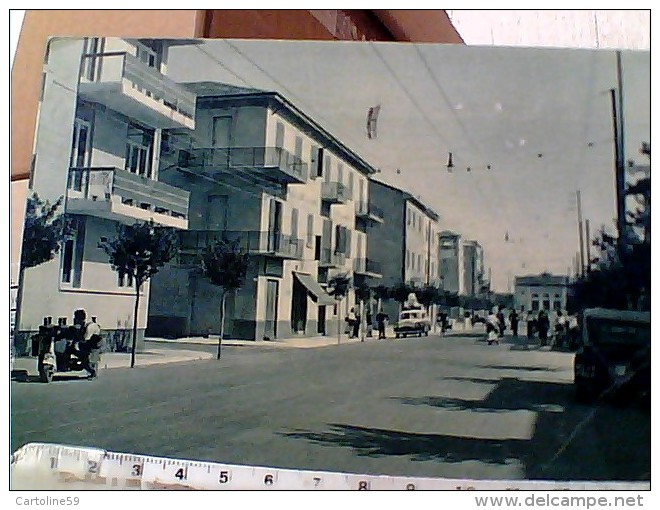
x,y
414,321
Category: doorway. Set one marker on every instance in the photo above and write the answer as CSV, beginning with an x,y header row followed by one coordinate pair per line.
x,y
272,291
320,327
298,307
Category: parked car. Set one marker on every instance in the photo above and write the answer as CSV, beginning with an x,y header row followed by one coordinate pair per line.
x,y
615,354
414,321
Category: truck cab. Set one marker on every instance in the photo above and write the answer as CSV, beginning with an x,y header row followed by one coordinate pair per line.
x,y
614,355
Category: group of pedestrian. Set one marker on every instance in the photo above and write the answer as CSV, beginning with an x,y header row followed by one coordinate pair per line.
x,y
353,323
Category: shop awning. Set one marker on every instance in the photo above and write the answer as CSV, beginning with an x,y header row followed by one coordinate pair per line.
x,y
316,291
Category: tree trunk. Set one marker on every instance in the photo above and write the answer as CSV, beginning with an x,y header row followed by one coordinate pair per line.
x,y
338,322
19,299
222,324
135,319
363,322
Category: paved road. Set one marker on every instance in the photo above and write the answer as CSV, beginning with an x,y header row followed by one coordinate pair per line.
x,y
448,407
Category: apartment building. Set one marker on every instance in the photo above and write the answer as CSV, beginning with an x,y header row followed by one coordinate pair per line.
x,y
451,262
104,106
406,244
473,268
263,173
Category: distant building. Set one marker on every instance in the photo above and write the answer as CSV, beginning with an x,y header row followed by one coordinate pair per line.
x,y
541,292
451,262
473,268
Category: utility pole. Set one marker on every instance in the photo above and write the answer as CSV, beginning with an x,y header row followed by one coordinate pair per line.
x,y
588,244
580,234
619,156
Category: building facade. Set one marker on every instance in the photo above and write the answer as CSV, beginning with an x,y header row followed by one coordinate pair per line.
x,y
261,172
541,292
473,268
104,106
406,244
451,262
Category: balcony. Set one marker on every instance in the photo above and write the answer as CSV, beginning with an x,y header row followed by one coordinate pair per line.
x,y
367,267
119,195
256,165
334,192
272,244
369,212
331,259
127,85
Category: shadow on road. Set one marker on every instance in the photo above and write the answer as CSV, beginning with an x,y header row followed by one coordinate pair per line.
x,y
518,367
569,441
374,442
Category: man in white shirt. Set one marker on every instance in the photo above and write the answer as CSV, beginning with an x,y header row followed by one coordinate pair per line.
x,y
89,343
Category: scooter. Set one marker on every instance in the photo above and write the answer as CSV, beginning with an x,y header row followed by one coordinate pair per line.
x,y
63,359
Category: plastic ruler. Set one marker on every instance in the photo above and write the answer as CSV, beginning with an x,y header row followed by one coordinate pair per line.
x,y
50,466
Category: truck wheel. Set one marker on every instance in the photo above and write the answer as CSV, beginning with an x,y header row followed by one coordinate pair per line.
x,y
397,335
46,373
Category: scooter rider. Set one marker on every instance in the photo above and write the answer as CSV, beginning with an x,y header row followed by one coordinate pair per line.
x,y
89,339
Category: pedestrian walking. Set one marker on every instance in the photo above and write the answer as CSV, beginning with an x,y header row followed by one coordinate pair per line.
x,y
370,325
381,318
350,323
443,322
356,325
501,324
492,328
513,320
560,330
543,325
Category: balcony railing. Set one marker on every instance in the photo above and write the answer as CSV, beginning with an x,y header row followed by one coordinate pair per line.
x,y
275,163
367,267
331,258
334,192
110,184
248,241
113,67
364,209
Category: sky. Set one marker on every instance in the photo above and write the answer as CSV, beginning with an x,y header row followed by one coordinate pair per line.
x,y
541,118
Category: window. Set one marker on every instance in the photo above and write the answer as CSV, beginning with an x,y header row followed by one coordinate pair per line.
x,y
407,259
138,151
149,54
412,261
319,162
419,262
299,147
124,280
67,260
557,305
310,230
535,305
294,223
546,304
340,172
328,168
350,184
81,145
409,217
279,135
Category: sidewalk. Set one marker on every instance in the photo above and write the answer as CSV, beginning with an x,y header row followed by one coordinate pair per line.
x,y
110,360
284,343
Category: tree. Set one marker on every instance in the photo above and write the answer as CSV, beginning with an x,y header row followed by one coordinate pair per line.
x,y
362,294
381,292
401,291
338,287
226,265
138,252
44,230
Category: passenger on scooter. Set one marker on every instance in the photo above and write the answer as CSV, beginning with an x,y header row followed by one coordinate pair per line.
x,y
89,340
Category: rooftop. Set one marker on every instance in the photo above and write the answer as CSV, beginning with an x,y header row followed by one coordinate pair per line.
x,y
243,96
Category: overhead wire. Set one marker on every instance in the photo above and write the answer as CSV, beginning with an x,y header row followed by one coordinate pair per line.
x,y
424,115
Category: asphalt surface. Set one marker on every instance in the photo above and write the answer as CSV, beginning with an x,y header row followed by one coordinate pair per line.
x,y
443,407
